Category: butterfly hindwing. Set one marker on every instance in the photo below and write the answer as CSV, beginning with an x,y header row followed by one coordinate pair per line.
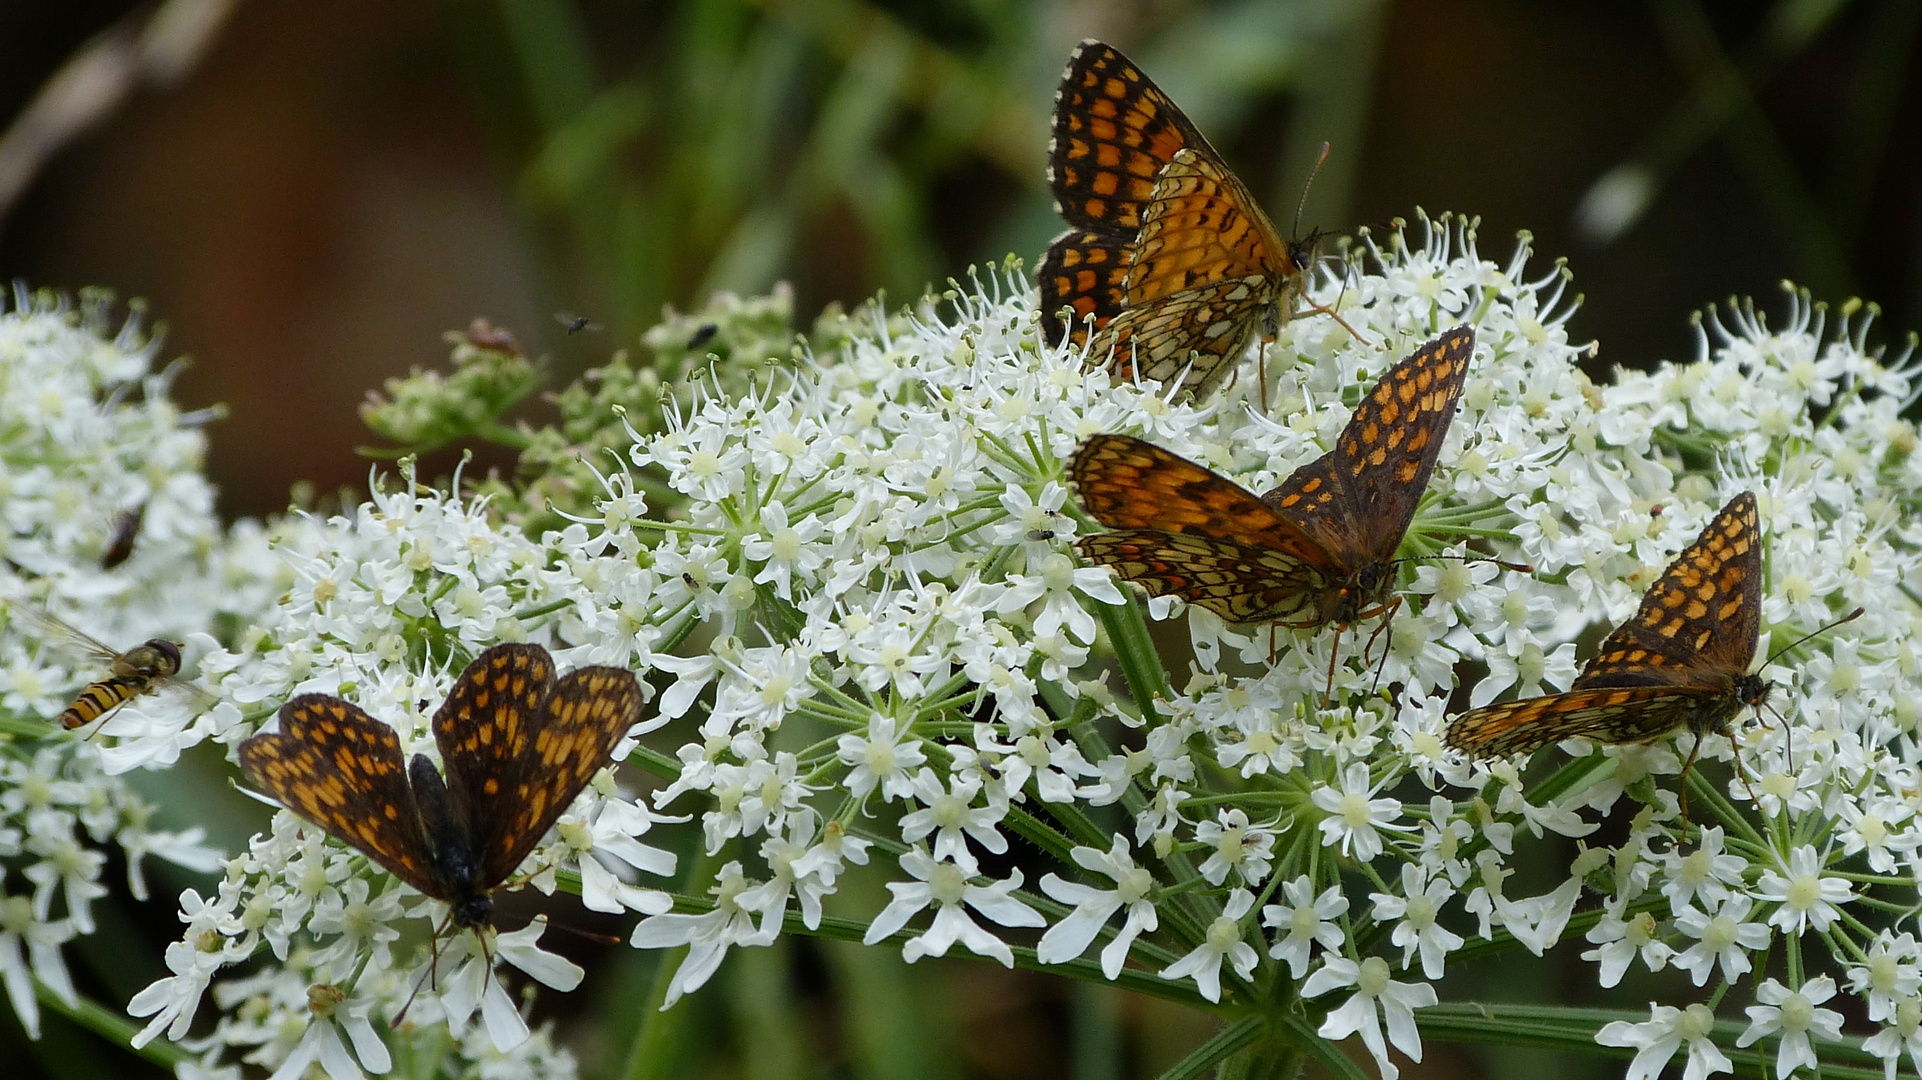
x,y
341,769
1084,271
1239,583
1195,336
1604,714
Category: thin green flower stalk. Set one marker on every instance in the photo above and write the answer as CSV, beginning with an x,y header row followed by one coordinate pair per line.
x,y
852,576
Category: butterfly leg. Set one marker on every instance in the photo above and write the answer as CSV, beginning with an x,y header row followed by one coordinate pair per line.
x,y
433,962
1689,765
1261,372
1324,309
1387,613
1334,652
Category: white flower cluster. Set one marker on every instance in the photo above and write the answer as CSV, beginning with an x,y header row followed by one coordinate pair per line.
x,y
90,438
381,601
861,581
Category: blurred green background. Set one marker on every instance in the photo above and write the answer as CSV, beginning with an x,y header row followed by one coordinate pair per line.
x,y
309,194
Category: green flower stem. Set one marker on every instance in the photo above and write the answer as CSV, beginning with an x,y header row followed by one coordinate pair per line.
x,y
1042,835
1573,1031
1229,1041
113,1026
1303,1034
1135,651
660,1037
1141,665
655,762
1077,821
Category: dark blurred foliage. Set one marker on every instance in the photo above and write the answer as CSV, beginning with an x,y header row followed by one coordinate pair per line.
x,y
326,188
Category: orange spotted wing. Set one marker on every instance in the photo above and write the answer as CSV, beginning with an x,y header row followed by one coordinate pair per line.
x,y
1681,660
1166,249
518,745
1314,550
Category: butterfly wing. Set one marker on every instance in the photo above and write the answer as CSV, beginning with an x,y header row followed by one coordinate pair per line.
x,y
1184,530
1237,582
1196,336
519,744
1130,483
1697,625
1202,227
1085,271
1357,499
1114,130
1628,714
341,769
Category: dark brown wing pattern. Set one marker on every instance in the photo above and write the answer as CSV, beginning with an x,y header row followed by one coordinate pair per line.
x,y
1682,659
1698,624
1357,500
1114,130
341,769
519,744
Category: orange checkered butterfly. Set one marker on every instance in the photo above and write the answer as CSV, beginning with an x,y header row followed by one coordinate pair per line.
x,y
1166,248
1315,550
1681,661
518,745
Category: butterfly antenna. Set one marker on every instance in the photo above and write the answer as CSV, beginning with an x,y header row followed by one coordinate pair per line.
x,y
1850,617
1305,187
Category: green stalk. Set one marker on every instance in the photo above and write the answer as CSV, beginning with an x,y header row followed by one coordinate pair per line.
x,y
113,1026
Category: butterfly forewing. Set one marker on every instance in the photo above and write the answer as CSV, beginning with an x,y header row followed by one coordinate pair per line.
x,y
1114,130
343,770
1129,483
1358,499
1698,624
519,744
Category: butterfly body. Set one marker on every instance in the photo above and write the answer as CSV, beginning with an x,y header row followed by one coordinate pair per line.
x,y
1167,254
1680,661
518,744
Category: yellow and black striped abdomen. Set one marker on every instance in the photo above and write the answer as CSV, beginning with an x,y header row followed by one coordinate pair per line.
x,y
100,699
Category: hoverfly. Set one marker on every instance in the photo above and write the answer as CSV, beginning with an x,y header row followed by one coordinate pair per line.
x,y
574,324
140,670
